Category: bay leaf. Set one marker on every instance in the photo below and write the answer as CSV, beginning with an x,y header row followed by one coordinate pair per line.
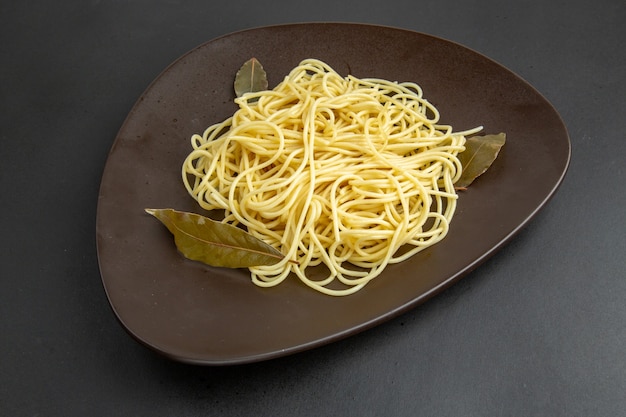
x,y
217,244
250,78
479,154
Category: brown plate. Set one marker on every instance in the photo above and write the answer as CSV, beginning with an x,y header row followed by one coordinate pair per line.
x,y
197,314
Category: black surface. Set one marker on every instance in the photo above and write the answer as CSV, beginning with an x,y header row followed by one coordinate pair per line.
x,y
540,329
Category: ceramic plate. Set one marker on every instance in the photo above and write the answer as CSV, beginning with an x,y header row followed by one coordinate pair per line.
x,y
198,314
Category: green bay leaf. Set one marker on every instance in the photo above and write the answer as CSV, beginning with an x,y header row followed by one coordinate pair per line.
x,y
479,154
250,78
217,244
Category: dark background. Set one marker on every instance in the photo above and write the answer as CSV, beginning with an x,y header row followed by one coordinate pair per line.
x,y
538,330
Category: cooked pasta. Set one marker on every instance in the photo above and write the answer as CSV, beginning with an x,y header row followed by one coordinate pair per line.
x,y
343,175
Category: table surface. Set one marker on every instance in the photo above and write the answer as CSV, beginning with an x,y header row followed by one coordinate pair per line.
x,y
538,330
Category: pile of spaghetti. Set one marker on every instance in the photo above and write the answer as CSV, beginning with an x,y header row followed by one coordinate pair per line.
x,y
342,175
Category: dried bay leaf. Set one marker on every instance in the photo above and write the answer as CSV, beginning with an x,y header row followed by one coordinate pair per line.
x,y
479,154
217,244
250,78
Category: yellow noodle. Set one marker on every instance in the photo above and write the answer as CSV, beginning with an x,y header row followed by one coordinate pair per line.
x,y
344,173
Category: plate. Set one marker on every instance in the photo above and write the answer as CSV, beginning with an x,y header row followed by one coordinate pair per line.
x,y
197,314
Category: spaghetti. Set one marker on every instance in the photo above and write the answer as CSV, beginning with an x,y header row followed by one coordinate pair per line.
x,y
341,174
